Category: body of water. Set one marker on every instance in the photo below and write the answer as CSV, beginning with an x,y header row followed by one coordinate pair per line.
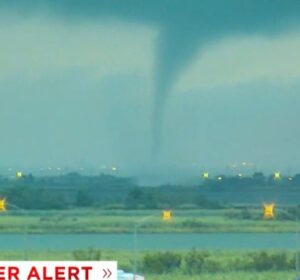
x,y
223,241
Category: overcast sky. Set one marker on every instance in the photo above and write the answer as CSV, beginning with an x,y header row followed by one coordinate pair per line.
x,y
78,84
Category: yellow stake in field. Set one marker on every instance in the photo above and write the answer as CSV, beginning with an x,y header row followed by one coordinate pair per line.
x,y
167,215
2,205
277,175
205,175
269,210
19,175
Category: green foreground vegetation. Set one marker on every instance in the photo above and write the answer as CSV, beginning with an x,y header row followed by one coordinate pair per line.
x,y
123,221
228,276
189,265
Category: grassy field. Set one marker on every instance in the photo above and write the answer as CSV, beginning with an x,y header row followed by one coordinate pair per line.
x,y
122,221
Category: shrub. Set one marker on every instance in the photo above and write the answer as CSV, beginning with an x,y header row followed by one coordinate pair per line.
x,y
243,214
192,223
212,266
87,255
273,261
194,262
159,263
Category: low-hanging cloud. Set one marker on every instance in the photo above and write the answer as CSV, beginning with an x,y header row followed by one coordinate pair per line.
x,y
241,60
34,48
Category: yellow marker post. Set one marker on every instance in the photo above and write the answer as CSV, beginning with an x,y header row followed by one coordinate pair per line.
x,y
277,176
2,205
167,215
269,210
19,175
205,176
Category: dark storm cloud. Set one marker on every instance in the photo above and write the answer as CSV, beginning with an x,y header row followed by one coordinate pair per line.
x,y
185,27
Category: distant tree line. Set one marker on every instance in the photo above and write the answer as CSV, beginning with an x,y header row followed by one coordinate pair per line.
x,y
105,191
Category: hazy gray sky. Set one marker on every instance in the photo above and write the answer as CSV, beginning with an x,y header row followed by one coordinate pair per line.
x,y
78,83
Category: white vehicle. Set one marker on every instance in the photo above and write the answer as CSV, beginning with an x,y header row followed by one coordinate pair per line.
x,y
122,275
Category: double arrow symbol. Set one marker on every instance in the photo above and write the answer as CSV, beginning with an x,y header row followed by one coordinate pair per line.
x,y
107,273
